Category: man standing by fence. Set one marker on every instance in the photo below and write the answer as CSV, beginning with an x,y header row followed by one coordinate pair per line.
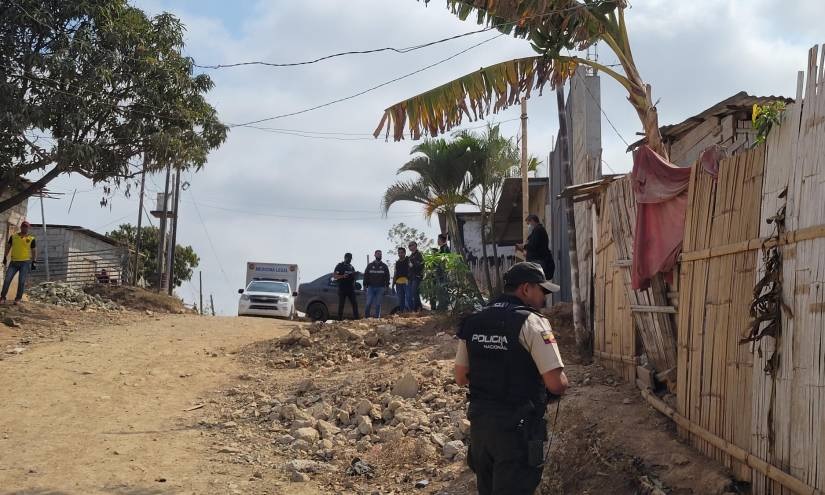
x,y
376,282
23,249
537,248
401,279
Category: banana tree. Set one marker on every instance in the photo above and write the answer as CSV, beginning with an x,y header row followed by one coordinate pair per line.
x,y
443,182
553,27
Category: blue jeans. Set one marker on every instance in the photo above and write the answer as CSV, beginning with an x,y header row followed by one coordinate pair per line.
x,y
401,292
374,296
16,267
413,295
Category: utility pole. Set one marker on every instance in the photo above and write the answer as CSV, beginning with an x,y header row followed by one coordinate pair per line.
x,y
162,230
525,180
583,339
200,283
45,237
212,304
173,244
138,240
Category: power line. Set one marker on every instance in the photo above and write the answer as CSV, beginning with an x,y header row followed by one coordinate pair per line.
x,y
351,52
209,238
311,136
608,166
296,217
321,210
391,49
339,100
602,110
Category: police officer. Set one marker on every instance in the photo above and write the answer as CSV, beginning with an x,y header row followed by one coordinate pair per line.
x,y
345,273
508,356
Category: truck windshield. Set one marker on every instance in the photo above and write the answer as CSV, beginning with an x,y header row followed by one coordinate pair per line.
x,y
280,287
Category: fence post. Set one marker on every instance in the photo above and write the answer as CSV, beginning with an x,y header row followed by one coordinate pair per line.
x,y
200,283
45,238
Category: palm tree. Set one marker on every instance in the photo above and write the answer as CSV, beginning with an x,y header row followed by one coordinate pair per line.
x,y
443,181
497,155
553,27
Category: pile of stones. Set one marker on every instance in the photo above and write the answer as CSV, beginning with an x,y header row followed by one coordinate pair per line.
x,y
66,295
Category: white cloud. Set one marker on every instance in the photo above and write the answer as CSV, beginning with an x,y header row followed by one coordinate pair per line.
x,y
694,54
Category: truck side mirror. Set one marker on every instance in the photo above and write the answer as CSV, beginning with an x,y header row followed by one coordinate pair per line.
x,y
240,291
295,294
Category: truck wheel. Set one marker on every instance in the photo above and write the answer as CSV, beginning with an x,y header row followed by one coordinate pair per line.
x,y
318,311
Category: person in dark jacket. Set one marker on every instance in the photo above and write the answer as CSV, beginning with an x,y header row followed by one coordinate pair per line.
x,y
345,275
443,247
376,281
416,276
508,356
537,248
401,279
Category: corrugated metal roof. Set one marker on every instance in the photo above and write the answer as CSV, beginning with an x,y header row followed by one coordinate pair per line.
x,y
77,228
739,102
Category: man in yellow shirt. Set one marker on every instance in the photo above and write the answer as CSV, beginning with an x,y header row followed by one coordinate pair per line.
x,y
23,251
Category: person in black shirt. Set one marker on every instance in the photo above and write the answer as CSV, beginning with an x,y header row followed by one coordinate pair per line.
x,y
442,244
345,275
537,248
416,276
401,279
376,281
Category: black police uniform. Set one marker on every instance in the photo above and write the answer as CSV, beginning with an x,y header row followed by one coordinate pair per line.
x,y
346,288
507,401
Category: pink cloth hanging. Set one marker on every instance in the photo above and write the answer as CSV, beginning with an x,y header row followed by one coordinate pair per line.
x,y
661,204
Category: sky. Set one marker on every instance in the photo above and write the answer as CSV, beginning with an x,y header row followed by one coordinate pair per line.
x,y
284,197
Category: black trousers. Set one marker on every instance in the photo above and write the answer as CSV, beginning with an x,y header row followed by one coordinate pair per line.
x,y
499,457
342,299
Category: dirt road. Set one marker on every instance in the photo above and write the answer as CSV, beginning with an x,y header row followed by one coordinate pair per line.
x,y
104,412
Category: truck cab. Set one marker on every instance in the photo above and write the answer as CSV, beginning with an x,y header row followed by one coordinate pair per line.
x,y
267,298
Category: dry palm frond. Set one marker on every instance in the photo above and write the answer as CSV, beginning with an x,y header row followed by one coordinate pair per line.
x,y
474,96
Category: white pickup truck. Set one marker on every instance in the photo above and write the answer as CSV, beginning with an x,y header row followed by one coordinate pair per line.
x,y
270,290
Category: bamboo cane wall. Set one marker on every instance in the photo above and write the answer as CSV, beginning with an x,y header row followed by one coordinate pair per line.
x,y
615,335
791,404
722,384
715,372
655,330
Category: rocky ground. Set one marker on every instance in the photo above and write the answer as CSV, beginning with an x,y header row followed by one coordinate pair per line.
x,y
51,311
71,296
372,408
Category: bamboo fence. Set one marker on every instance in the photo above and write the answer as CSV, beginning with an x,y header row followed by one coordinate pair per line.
x,y
615,335
768,427
715,372
651,309
789,405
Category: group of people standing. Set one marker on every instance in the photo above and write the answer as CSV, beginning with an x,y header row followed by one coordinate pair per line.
x,y
406,280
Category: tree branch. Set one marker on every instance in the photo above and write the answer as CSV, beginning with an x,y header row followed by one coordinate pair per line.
x,y
22,195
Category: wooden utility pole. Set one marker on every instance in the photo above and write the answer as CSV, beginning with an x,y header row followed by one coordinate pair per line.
x,y
212,304
138,240
583,337
200,283
525,180
45,239
173,244
162,231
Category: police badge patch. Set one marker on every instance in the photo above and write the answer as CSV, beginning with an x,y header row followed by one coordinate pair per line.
x,y
548,337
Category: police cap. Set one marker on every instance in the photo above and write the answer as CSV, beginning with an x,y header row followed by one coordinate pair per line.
x,y
528,273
